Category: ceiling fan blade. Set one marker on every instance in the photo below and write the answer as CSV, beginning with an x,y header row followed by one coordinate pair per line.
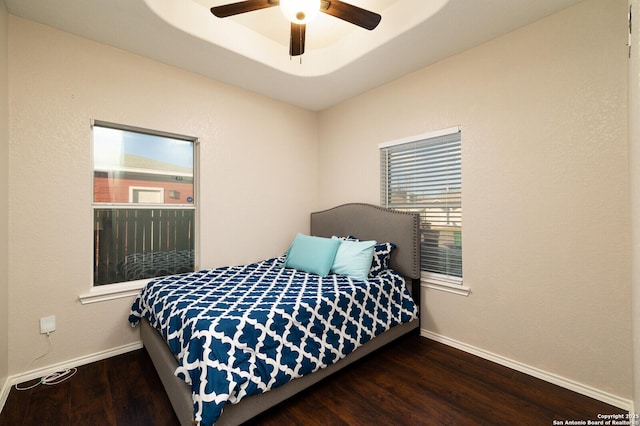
x,y
242,7
350,13
296,44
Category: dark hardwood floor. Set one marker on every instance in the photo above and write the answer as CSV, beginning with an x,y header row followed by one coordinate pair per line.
x,y
413,381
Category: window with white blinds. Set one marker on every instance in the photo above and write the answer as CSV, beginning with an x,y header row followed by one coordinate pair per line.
x,y
424,174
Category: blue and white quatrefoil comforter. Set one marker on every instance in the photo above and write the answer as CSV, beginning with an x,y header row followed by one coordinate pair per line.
x,y
242,330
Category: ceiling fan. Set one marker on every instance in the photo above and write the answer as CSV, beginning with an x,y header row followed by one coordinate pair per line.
x,y
300,12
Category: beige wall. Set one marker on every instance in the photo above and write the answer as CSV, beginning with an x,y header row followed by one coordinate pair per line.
x,y
258,177
546,194
634,166
4,182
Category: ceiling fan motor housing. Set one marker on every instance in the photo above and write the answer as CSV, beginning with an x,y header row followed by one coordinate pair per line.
x,y
300,11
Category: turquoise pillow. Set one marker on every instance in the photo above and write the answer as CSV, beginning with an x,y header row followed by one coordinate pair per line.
x,y
353,259
312,254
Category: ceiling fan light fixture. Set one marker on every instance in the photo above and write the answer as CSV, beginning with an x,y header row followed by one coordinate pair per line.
x,y
300,11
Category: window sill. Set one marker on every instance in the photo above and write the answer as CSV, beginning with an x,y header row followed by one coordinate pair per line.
x,y
107,292
448,286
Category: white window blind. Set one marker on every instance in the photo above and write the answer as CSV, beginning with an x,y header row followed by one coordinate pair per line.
x,y
424,175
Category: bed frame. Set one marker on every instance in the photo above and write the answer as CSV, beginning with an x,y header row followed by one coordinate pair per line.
x,y
365,221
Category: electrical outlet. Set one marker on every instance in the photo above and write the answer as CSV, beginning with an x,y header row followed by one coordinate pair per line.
x,y
47,324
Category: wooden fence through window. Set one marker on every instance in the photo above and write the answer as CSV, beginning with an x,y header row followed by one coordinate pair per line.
x,y
132,244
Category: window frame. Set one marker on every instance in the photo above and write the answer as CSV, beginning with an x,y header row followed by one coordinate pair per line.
x,y
443,282
105,292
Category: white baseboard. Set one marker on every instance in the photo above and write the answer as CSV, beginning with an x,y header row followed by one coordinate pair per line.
x,y
574,386
76,362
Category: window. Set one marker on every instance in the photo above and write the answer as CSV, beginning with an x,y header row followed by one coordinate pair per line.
x,y
144,204
424,174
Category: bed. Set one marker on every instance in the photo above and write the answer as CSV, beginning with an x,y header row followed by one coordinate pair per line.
x,y
175,354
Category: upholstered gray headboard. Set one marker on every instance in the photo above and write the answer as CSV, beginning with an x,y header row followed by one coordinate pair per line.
x,y
369,222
